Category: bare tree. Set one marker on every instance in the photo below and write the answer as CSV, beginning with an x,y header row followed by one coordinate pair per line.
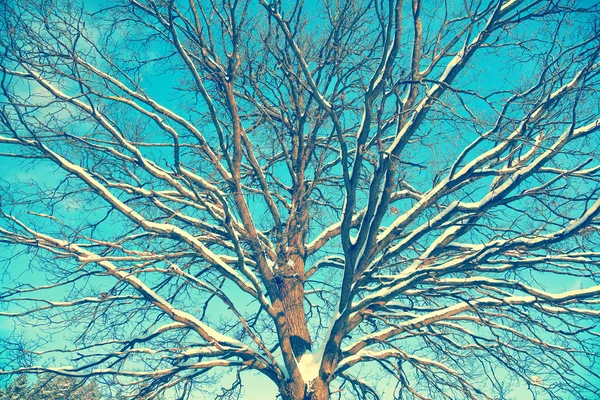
x,y
50,387
353,198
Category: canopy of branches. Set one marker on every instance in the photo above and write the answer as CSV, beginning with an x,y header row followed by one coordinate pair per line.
x,y
357,199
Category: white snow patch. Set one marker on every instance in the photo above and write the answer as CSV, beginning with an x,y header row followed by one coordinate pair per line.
x,y
309,365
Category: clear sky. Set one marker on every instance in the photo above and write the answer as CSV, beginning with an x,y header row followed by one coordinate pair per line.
x,y
26,179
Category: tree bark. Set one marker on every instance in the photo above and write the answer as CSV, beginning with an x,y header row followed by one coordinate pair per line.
x,y
315,390
318,390
291,292
290,279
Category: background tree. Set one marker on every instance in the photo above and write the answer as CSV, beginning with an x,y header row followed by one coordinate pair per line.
x,y
50,387
301,189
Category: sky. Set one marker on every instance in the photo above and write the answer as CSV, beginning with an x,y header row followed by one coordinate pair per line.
x,y
161,83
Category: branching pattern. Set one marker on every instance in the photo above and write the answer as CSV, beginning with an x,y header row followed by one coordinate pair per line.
x,y
301,189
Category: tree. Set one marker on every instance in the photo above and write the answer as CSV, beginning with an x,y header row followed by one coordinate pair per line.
x,y
355,199
15,390
50,387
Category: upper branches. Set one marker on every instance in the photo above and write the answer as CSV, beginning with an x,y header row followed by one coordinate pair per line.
x,y
257,185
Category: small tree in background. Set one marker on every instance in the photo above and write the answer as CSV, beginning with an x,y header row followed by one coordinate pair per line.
x,y
50,387
18,389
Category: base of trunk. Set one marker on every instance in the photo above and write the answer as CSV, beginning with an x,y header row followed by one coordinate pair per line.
x,y
315,390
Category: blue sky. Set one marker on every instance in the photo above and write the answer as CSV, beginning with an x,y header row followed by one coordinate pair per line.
x,y
491,72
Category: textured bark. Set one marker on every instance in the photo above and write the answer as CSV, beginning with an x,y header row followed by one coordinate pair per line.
x,y
292,391
316,390
290,279
291,291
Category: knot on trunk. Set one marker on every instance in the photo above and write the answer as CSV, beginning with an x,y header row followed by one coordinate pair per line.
x,y
300,345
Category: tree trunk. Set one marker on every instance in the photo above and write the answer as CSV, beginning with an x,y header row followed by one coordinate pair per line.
x,y
316,390
291,291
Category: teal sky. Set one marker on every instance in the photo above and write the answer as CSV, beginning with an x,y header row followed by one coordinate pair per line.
x,y
490,72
